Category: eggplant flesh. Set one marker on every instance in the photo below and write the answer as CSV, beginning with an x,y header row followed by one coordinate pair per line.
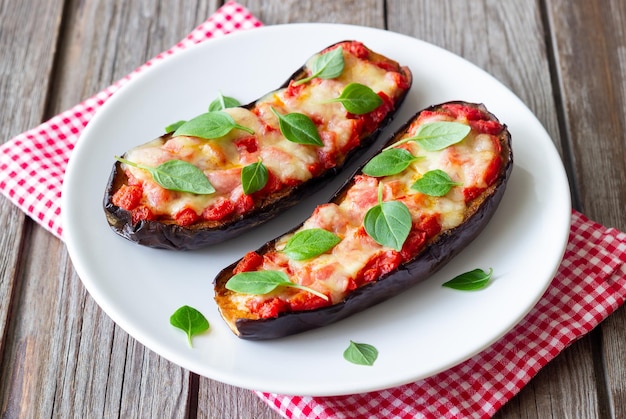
x,y
429,260
167,234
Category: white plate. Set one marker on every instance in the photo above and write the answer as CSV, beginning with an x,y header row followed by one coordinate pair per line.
x,y
425,330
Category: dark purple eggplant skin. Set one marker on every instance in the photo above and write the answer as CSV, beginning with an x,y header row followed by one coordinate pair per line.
x,y
171,236
432,258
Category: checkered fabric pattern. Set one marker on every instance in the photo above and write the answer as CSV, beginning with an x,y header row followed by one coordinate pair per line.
x,y
590,283
33,163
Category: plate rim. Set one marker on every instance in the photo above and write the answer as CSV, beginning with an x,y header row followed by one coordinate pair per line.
x,y
141,337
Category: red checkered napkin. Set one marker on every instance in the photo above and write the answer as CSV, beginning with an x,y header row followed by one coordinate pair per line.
x,y
32,164
590,284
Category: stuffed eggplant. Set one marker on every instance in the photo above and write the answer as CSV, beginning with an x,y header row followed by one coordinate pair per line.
x,y
418,202
223,172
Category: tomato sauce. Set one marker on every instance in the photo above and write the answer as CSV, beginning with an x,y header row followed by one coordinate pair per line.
x,y
128,197
371,120
186,216
220,210
140,213
250,262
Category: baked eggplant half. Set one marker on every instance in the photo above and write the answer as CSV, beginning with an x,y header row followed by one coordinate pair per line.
x,y
223,172
404,214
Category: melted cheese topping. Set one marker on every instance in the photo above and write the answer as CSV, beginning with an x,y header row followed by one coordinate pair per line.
x,y
291,163
335,272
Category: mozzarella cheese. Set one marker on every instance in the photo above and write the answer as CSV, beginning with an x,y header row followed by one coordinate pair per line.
x,y
289,162
333,273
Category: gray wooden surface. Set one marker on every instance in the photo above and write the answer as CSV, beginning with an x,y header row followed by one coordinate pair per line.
x,y
63,357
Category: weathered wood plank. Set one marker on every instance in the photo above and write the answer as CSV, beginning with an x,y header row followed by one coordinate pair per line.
x,y
507,41
354,12
590,45
64,355
27,50
217,400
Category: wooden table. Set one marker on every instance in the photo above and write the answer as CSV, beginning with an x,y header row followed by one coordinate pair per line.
x,y
62,356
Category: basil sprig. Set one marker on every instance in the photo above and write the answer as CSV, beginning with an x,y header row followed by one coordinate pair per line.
x,y
388,223
470,281
326,66
222,102
358,99
435,136
389,162
254,177
434,183
307,244
177,175
264,282
190,321
210,125
174,126
298,128
360,353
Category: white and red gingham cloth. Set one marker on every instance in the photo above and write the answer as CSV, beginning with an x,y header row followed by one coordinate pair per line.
x,y
33,163
590,283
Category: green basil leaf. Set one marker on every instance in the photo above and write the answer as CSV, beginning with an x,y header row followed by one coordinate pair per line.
x,y
189,320
257,282
177,175
254,177
298,128
470,281
222,102
388,223
358,99
434,183
326,66
264,282
389,162
210,125
309,243
435,136
174,126
360,353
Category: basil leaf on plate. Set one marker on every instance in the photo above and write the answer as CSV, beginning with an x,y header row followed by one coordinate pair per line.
x,y
476,279
360,353
189,320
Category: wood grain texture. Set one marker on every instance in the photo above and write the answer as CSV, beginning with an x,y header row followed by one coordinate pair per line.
x,y
27,51
590,46
62,356
351,12
511,47
509,44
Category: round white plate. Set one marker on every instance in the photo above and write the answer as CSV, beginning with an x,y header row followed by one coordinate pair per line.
x,y
425,330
